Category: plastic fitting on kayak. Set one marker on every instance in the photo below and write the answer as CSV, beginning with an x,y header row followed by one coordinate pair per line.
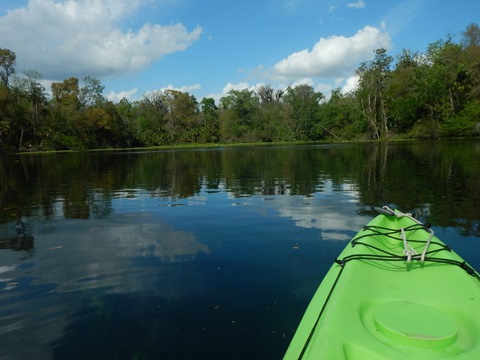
x,y
383,210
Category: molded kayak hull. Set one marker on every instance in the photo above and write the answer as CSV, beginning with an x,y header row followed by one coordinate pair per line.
x,y
395,292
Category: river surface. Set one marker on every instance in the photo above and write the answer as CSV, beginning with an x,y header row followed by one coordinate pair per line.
x,y
202,254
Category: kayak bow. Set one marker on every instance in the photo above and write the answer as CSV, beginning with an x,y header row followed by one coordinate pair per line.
x,y
395,292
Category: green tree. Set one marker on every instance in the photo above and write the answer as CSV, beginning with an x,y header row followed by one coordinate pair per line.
x,y
338,117
91,93
35,93
268,95
238,115
64,113
471,36
31,108
443,88
304,105
8,60
6,117
243,103
126,113
273,123
7,68
404,92
210,122
65,95
371,92
181,110
151,118
448,68
94,128
471,59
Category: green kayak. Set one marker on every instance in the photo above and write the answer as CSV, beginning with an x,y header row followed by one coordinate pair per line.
x,y
395,292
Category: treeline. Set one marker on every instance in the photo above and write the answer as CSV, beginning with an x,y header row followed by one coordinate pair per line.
x,y
416,95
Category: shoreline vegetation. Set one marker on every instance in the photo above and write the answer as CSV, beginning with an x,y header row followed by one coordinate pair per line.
x,y
221,146
192,146
429,95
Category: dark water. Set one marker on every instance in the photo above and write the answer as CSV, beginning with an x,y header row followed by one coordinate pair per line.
x,y
202,254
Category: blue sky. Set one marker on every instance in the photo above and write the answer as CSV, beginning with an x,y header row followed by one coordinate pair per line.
x,y
208,47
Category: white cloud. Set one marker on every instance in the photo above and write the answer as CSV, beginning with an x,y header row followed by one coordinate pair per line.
x,y
350,85
185,88
239,86
331,57
132,95
303,81
325,89
84,37
360,4
127,94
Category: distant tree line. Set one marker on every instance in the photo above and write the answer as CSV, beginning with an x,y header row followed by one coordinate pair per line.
x,y
414,95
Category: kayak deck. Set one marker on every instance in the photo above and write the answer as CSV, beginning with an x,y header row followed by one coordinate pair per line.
x,y
395,292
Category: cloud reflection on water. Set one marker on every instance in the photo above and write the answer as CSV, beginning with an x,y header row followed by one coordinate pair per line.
x,y
124,254
95,253
325,211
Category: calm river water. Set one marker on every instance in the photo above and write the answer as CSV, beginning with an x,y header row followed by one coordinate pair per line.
x,y
202,254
